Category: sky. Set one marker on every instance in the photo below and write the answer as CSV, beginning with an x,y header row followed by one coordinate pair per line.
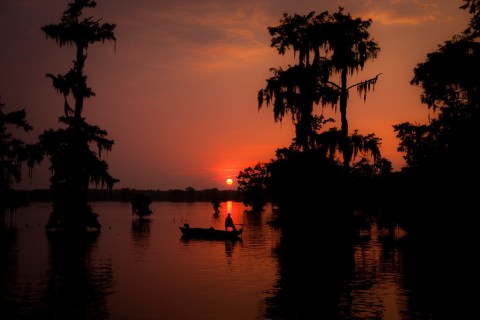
x,y
177,91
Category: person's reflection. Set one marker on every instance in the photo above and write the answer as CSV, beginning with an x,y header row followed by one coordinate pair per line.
x,y
229,245
230,248
77,284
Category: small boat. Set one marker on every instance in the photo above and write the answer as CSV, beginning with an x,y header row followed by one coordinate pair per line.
x,y
210,233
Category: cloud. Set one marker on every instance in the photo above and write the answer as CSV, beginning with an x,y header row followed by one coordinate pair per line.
x,y
204,36
405,12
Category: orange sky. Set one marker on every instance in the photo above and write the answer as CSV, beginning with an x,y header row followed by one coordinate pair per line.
x,y
177,93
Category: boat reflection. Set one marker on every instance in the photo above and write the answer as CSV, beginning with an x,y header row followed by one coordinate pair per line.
x,y
230,244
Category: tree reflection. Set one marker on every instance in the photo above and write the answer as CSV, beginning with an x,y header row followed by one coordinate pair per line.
x,y
8,267
375,285
77,285
313,271
318,279
440,276
141,232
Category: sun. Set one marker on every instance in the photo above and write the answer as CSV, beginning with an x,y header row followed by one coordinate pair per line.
x,y
229,181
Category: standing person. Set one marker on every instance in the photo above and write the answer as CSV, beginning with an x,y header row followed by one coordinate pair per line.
x,y
229,223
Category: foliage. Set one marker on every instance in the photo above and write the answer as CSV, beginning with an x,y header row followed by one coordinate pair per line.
x,y
330,143
449,76
141,205
74,164
326,45
13,153
380,168
442,155
451,88
309,189
254,186
473,7
215,200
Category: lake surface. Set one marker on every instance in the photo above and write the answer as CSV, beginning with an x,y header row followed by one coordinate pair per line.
x,y
145,270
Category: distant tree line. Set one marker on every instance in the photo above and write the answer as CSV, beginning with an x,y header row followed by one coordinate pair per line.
x,y
25,197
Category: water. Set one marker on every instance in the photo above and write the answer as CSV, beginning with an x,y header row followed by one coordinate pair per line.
x,y
135,270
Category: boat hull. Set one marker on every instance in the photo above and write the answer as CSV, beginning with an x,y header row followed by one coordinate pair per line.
x,y
210,233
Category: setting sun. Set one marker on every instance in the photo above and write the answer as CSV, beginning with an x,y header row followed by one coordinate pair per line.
x,y
229,181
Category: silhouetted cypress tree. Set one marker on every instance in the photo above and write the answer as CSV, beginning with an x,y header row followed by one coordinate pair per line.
x,y
74,165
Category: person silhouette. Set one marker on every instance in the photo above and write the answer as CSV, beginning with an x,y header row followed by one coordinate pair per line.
x,y
229,223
